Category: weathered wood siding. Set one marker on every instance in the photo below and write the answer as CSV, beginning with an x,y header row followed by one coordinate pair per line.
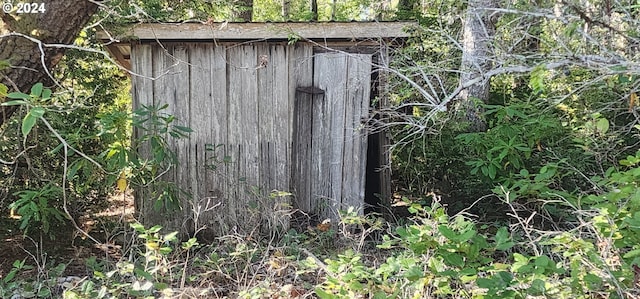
x,y
237,109
278,138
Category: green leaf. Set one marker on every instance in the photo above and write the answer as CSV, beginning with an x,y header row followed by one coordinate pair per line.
x,y
453,259
4,64
503,239
602,125
158,204
137,226
36,90
505,276
502,235
521,264
542,261
485,283
142,273
171,236
492,172
46,94
505,246
485,170
27,123
155,229
467,235
537,287
18,95
323,295
414,273
44,292
183,129
13,103
380,295
74,169
37,111
447,232
3,90
10,276
632,254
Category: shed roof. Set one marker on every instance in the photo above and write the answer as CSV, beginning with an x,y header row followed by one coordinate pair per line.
x,y
120,45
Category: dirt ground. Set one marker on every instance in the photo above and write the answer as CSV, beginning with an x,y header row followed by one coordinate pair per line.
x,y
70,246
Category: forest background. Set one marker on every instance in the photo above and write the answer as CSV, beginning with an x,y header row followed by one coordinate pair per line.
x,y
515,133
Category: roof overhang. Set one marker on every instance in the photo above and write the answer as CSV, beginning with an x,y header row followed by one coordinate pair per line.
x,y
120,45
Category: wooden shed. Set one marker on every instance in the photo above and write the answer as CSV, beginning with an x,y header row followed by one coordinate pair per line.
x,y
287,104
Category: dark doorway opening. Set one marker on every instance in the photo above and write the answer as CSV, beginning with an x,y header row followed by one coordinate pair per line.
x,y
373,181
373,189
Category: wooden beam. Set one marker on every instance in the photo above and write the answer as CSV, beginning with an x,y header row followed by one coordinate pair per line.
x,y
122,54
262,31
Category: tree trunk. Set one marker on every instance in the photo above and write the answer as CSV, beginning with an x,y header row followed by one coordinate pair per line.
x,y
245,11
314,10
334,6
406,10
286,6
60,23
478,33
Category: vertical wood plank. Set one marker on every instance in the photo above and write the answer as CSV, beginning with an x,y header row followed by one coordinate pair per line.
x,y
234,96
266,111
283,136
349,160
300,65
200,93
142,87
250,126
330,74
358,95
217,181
164,91
181,105
282,128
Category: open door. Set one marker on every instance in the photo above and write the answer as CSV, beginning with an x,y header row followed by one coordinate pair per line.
x,y
330,138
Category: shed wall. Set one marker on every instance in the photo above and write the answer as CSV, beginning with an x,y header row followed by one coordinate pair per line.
x,y
255,132
238,109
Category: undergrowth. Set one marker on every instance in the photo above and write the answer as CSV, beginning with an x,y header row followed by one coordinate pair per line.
x,y
434,255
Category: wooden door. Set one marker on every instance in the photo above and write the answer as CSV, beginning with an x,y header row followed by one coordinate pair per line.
x,y
330,138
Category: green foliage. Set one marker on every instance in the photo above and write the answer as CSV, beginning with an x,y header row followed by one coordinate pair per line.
x,y
618,215
38,96
515,132
156,129
39,161
41,206
36,210
149,274
442,257
12,286
168,11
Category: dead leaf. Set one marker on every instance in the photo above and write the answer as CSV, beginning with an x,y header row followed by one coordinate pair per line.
x,y
324,226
